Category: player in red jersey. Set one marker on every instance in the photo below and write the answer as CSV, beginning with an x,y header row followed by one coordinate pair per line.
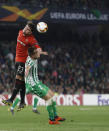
x,y
25,40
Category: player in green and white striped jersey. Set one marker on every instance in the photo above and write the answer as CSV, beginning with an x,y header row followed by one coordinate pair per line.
x,y
32,82
35,86
32,77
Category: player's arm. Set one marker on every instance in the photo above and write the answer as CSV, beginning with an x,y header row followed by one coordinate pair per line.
x,y
43,53
34,42
37,46
39,49
27,68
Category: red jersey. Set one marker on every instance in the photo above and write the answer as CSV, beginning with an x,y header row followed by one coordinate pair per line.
x,y
23,43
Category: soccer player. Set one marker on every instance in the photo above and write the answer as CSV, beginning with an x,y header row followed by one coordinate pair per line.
x,y
25,40
35,86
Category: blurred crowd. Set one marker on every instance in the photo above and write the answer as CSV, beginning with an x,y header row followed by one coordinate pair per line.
x,y
80,66
7,66
76,4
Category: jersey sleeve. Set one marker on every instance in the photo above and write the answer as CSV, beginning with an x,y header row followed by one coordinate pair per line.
x,y
34,42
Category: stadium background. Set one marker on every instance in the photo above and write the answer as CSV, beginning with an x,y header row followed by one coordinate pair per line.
x,y
77,42
77,67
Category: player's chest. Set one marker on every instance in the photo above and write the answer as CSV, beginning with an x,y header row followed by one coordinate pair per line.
x,y
36,64
24,39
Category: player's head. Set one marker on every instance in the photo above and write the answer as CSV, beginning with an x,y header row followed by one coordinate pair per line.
x,y
33,52
29,28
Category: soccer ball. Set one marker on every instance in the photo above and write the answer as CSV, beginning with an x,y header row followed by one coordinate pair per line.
x,y
42,27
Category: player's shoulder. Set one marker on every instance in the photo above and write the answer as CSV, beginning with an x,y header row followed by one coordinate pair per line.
x,y
32,37
29,61
20,32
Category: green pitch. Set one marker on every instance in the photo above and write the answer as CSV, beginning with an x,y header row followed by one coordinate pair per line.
x,y
77,119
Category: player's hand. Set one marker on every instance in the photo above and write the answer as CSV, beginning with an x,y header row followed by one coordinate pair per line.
x,y
44,53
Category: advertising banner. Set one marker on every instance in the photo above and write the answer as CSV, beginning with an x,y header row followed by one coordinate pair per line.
x,y
96,99
65,100
68,100
68,15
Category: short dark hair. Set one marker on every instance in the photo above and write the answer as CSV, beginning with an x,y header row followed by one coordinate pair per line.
x,y
31,51
31,25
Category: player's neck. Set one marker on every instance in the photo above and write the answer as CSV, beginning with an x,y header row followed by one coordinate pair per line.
x,y
24,33
33,58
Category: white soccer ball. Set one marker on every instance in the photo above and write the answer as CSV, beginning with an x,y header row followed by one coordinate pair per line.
x,y
42,27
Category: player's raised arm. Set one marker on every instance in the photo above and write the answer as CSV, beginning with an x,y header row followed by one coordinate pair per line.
x,y
40,51
43,53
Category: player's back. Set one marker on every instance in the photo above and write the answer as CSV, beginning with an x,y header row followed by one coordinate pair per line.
x,y
23,43
32,77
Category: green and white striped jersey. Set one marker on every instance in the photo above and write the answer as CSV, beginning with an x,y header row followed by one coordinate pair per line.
x,y
32,77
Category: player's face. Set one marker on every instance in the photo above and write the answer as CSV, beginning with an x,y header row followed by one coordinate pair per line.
x,y
27,30
36,54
